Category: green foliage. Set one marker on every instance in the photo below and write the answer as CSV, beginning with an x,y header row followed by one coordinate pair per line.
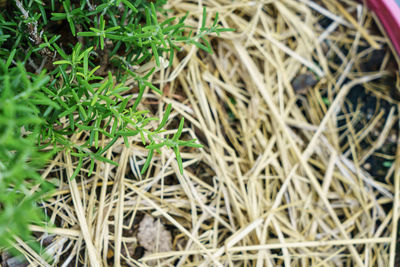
x,y
76,40
20,159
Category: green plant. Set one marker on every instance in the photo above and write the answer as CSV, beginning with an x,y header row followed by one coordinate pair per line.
x,y
20,159
101,45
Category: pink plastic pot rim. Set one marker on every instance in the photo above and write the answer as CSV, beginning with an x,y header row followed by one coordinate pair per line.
x,y
388,12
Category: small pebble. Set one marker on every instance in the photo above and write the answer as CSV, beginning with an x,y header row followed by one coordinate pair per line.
x,y
303,82
367,166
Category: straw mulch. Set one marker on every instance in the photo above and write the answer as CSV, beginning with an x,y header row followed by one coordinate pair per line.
x,y
285,175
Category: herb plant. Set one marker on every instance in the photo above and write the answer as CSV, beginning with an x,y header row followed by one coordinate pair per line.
x,y
63,66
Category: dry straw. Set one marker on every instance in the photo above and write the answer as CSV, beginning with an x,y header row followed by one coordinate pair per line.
x,y
279,182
